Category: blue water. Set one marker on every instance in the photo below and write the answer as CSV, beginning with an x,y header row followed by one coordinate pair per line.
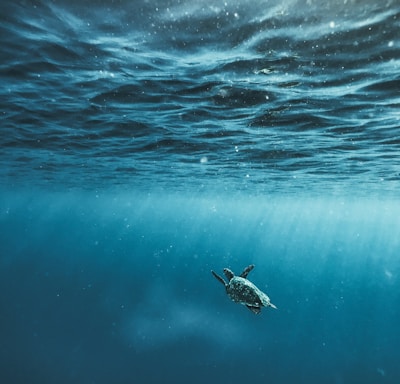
x,y
144,143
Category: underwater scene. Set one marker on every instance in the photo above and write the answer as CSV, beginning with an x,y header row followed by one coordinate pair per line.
x,y
200,191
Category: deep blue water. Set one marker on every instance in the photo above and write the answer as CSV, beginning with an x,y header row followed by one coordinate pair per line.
x,y
144,143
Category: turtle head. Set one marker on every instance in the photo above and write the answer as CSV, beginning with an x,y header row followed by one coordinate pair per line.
x,y
228,273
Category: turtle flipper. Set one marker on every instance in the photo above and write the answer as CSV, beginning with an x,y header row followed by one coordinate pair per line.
x,y
254,309
219,278
246,271
272,305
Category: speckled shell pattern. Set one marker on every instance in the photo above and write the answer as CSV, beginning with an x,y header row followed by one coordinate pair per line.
x,y
245,292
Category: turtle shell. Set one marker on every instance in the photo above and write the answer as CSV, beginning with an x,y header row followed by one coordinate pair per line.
x,y
245,292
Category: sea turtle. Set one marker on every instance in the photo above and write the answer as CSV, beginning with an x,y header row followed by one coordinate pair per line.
x,y
243,291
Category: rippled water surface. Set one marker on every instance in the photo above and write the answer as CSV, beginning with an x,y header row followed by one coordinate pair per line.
x,y
263,96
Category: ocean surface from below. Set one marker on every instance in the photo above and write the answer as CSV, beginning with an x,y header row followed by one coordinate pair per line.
x,y
267,97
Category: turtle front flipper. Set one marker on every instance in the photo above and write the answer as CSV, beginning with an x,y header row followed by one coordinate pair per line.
x,y
254,309
219,278
246,271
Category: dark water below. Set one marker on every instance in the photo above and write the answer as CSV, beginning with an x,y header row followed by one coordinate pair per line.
x,y
118,289
144,143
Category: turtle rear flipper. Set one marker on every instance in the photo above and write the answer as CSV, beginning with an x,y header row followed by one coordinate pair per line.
x,y
219,278
246,271
254,309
